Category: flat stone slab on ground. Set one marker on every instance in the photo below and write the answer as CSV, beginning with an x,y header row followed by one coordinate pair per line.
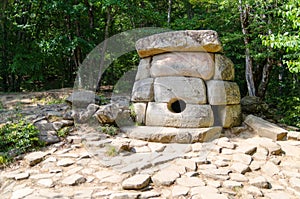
x,y
171,135
35,157
265,129
136,182
74,180
165,177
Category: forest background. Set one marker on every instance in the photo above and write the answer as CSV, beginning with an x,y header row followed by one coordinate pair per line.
x,y
43,43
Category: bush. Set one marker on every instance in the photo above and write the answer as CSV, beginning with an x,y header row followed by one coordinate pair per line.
x,y
17,138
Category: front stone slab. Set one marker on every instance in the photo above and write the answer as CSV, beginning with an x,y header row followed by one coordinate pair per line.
x,y
193,116
223,92
185,40
227,116
140,112
190,64
191,90
142,90
172,135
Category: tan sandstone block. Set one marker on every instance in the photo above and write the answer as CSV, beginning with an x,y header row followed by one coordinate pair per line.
x,y
223,92
224,68
191,90
184,40
142,90
158,114
190,64
143,71
227,116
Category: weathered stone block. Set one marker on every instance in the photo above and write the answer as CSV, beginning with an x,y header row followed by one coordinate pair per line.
x,y
265,129
193,116
227,116
224,68
143,71
140,112
185,40
142,90
191,90
223,93
191,64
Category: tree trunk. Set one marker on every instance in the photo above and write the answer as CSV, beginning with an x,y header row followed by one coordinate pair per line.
x,y
3,46
244,14
169,12
90,13
265,79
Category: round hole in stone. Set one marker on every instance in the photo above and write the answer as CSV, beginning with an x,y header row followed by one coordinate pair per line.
x,y
176,105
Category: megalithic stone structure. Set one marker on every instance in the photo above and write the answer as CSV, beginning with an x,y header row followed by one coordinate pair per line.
x,y
185,81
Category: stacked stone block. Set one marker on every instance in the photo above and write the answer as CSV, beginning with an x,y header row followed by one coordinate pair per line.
x,y
184,80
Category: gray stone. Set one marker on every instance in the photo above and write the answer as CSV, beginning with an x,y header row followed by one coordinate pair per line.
x,y
82,98
74,179
49,137
223,93
165,177
210,196
65,162
227,116
57,125
225,144
179,191
240,167
140,112
190,181
35,157
149,194
224,68
136,182
256,165
265,129
172,135
260,182
247,149
190,165
185,40
189,64
278,195
142,90
193,116
190,90
107,114
203,189
143,70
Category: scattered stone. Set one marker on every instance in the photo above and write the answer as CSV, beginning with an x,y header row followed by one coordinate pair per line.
x,y
232,184
74,180
46,183
211,196
278,195
35,158
242,158
293,135
240,167
270,169
124,195
265,129
260,182
238,177
226,144
190,165
156,147
65,162
179,191
190,181
136,182
247,149
149,194
165,178
255,191
203,189
272,147
22,193
295,183
21,176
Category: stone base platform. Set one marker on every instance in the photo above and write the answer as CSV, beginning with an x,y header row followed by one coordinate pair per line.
x,y
172,135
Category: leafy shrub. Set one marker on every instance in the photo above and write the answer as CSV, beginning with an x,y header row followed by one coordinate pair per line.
x,y
110,130
17,138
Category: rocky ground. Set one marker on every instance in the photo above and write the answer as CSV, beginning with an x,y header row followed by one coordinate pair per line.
x,y
90,164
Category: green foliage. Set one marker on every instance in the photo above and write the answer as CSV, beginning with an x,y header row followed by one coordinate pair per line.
x,y
109,130
17,138
64,132
111,151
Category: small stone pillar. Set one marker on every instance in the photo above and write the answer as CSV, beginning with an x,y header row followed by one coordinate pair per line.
x,y
185,81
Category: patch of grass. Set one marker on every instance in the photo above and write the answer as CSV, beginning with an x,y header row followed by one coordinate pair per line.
x,y
17,138
48,100
109,130
111,151
63,132
1,106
